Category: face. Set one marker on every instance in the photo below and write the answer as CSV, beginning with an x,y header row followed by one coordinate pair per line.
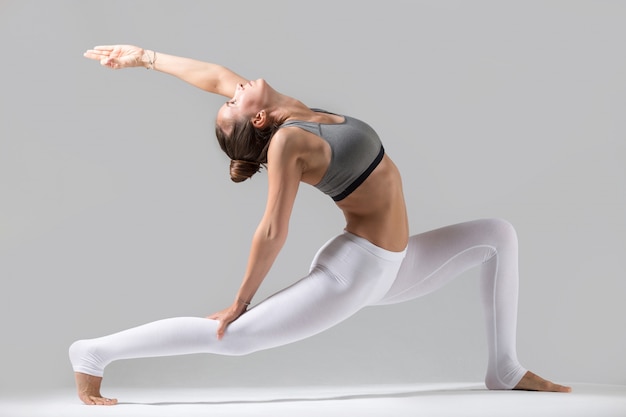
x,y
248,100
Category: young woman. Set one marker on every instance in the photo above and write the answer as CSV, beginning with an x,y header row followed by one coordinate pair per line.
x,y
373,262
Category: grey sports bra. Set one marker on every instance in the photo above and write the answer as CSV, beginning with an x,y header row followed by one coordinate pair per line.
x,y
356,150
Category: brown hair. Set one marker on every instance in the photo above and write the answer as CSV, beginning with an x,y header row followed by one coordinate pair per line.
x,y
246,146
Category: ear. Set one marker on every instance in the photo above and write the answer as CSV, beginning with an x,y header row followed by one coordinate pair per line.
x,y
260,120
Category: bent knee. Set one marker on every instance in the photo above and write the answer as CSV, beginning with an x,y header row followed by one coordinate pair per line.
x,y
502,231
500,227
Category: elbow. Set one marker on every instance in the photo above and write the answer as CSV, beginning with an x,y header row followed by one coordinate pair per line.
x,y
273,233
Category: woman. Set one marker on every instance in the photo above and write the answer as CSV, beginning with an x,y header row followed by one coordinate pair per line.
x,y
373,262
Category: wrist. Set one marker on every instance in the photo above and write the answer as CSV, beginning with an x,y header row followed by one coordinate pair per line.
x,y
242,303
148,58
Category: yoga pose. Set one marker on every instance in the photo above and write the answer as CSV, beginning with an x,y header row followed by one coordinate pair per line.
x,y
373,262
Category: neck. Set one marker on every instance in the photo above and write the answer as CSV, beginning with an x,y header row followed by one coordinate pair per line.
x,y
287,108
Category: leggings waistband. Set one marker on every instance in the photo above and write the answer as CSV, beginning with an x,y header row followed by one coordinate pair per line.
x,y
373,249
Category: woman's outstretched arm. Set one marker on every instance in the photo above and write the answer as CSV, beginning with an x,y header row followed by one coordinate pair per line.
x,y
209,77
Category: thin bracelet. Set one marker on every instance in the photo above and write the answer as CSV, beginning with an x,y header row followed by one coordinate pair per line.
x,y
243,302
151,61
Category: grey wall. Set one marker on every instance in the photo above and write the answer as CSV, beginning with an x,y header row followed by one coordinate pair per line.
x,y
116,208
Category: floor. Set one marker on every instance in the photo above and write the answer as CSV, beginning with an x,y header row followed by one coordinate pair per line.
x,y
431,400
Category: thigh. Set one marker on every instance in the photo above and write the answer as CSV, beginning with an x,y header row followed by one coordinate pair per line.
x,y
344,278
436,257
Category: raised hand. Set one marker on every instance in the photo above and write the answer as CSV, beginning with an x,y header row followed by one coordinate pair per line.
x,y
120,56
206,76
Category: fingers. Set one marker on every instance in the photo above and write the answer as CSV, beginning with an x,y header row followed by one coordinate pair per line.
x,y
221,330
106,54
95,54
101,50
104,47
103,55
223,323
225,317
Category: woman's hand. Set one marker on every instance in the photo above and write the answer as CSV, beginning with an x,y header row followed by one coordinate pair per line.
x,y
227,316
119,56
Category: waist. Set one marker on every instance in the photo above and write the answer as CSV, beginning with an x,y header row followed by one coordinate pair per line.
x,y
374,249
376,211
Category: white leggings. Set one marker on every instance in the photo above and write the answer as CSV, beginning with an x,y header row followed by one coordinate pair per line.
x,y
347,274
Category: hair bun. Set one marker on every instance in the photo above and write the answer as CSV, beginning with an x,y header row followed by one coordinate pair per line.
x,y
242,170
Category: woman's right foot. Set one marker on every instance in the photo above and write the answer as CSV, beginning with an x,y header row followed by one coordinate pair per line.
x,y
88,387
532,382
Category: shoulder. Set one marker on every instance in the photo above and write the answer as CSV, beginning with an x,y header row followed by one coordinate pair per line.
x,y
287,140
286,145
285,159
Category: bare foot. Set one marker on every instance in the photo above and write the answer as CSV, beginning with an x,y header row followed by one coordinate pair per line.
x,y
89,390
532,382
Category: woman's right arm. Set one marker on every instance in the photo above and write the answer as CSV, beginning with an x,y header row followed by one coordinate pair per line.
x,y
209,77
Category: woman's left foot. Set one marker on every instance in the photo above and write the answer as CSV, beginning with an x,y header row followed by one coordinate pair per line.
x,y
532,382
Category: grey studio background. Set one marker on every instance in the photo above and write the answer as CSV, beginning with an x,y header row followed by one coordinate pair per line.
x,y
116,207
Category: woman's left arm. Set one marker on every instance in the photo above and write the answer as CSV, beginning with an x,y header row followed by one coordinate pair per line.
x,y
284,170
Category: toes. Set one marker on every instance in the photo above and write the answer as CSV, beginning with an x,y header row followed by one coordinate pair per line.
x,y
95,400
563,388
102,401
